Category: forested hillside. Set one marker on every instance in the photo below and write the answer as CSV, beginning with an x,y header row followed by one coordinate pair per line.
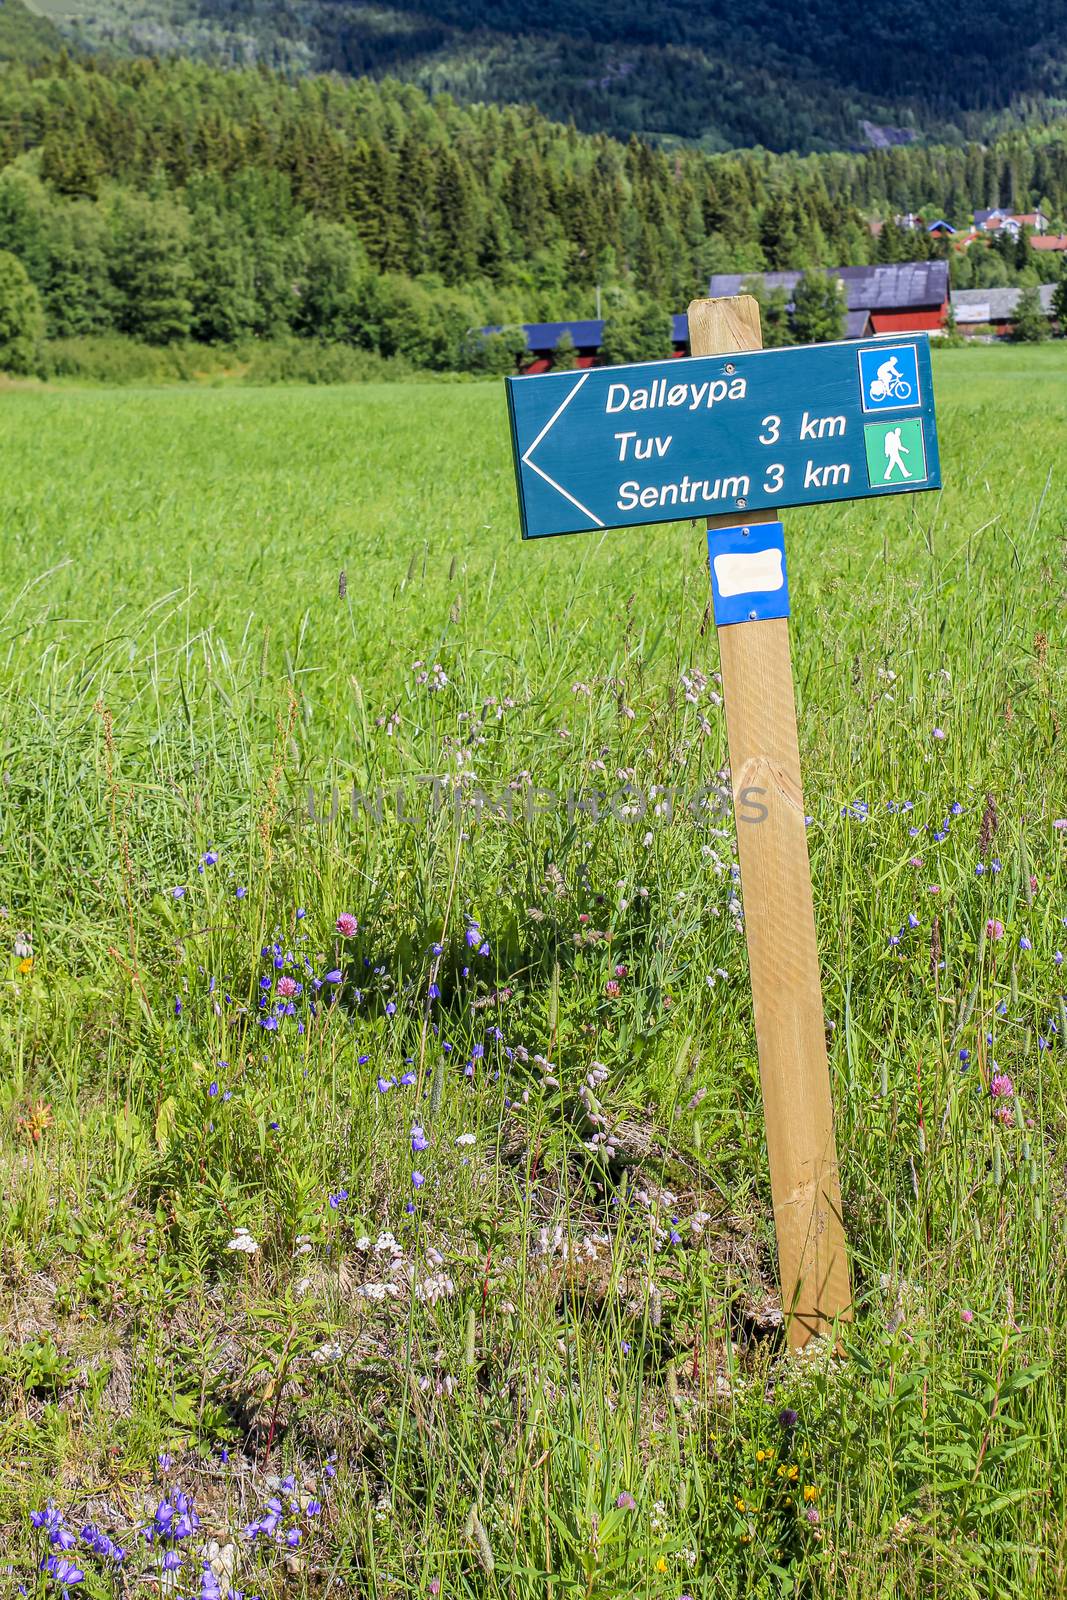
x,y
813,76
170,201
25,36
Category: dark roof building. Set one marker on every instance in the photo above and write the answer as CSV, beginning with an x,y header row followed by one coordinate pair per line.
x,y
588,335
900,297
904,297
992,311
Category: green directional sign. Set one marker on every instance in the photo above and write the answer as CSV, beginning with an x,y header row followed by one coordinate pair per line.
x,y
896,453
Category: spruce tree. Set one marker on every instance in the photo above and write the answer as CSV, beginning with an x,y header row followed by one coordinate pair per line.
x,y
778,235
1030,323
71,166
819,308
457,233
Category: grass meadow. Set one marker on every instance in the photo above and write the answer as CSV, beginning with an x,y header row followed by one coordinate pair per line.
x,y
430,1253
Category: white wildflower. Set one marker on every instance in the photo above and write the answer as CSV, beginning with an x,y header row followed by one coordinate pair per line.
x,y
377,1291
242,1240
438,1286
328,1351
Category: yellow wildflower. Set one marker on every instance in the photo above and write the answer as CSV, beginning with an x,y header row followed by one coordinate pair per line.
x,y
26,965
661,1565
810,1491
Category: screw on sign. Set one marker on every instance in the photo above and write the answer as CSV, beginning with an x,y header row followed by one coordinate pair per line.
x,y
735,441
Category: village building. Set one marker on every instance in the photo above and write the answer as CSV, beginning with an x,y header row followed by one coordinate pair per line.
x,y
896,297
543,337
588,336
999,220
915,223
1036,220
990,313
1038,241
891,298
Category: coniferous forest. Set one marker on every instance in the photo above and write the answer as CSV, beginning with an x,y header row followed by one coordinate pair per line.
x,y
815,76
170,202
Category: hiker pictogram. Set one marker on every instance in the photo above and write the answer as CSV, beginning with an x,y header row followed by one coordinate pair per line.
x,y
894,453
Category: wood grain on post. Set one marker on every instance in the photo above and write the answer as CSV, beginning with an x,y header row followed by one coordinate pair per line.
x,y
757,684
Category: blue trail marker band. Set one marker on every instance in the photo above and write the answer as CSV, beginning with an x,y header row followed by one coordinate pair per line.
x,y
748,576
667,441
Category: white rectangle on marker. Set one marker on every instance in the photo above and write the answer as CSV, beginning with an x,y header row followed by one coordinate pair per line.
x,y
749,572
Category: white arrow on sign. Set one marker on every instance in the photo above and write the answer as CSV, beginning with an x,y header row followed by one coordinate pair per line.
x,y
529,462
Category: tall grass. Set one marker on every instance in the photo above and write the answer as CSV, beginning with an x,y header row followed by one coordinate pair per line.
x,y
566,1377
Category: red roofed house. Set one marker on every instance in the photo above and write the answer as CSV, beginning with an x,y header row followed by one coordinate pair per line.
x,y
1048,241
1013,222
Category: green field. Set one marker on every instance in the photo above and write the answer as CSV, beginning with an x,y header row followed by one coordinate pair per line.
x,y
542,1370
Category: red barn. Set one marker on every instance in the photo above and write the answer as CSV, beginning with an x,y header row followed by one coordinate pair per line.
x,y
904,297
896,297
588,336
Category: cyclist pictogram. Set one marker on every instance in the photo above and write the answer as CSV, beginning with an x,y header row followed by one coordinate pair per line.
x,y
889,383
889,377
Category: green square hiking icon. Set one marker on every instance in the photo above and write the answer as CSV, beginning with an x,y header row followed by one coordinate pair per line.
x,y
896,453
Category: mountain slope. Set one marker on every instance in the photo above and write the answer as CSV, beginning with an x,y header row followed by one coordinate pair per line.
x,y
24,35
817,75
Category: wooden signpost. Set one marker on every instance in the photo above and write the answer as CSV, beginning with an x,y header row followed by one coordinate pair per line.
x,y
761,727
747,430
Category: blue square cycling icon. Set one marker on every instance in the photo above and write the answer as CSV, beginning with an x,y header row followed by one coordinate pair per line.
x,y
889,377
